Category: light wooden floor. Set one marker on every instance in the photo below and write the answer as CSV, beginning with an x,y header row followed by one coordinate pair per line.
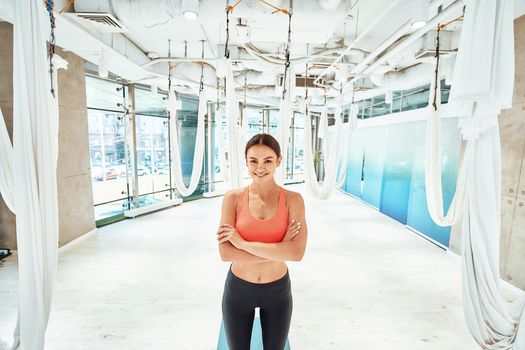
x,y
155,282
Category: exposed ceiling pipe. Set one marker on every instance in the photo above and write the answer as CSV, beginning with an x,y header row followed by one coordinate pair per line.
x,y
256,78
407,78
452,10
271,59
382,47
358,39
133,9
206,61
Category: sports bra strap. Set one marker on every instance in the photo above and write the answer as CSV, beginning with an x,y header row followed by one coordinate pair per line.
x,y
282,198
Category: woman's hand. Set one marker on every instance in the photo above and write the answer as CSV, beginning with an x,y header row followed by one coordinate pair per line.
x,y
228,233
293,230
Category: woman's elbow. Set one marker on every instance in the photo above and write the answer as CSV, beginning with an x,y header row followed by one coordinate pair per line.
x,y
224,254
298,256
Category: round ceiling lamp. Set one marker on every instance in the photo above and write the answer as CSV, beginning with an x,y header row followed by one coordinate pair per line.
x,y
329,5
419,13
190,8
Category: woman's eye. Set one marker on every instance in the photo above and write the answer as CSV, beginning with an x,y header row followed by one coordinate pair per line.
x,y
253,161
268,161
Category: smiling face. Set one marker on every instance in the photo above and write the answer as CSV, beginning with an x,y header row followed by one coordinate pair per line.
x,y
262,162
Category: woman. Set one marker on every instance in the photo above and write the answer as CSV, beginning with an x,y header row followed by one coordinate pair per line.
x,y
262,226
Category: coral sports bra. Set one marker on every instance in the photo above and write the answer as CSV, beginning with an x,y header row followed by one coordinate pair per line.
x,y
252,229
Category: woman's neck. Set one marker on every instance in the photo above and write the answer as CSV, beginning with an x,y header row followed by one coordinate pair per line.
x,y
264,189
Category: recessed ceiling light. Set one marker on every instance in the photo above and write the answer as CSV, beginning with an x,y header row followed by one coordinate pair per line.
x,y
190,14
418,24
190,8
419,11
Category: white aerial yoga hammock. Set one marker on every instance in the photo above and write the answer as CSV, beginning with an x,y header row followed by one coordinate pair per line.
x,y
29,172
198,154
482,86
235,137
6,166
331,158
220,145
346,127
351,125
433,185
285,120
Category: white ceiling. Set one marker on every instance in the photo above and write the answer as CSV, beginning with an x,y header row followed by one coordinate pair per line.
x,y
150,24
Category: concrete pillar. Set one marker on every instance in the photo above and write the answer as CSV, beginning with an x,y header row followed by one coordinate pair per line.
x,y
512,127
75,192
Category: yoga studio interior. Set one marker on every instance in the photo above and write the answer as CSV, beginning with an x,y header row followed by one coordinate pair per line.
x,y
283,174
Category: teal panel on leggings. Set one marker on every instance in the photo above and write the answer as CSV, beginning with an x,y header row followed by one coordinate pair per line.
x,y
255,344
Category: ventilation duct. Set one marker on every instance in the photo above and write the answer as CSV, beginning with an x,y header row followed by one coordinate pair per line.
x,y
100,22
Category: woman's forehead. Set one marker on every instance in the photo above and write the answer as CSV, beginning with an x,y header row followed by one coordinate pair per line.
x,y
261,151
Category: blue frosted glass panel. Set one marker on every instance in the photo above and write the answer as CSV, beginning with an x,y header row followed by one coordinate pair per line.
x,y
355,164
397,170
373,166
418,216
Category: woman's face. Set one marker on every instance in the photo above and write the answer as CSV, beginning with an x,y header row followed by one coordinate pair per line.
x,y
262,162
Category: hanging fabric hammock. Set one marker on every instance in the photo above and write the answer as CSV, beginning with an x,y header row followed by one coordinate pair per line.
x,y
6,166
346,128
220,145
433,185
233,167
283,127
483,84
34,156
330,179
198,154
235,137
349,128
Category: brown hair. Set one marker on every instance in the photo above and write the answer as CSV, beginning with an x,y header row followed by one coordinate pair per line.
x,y
264,139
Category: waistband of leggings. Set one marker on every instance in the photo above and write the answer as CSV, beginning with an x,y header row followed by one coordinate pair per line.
x,y
276,286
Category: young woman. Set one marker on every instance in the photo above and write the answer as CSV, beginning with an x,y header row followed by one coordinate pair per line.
x,y
262,226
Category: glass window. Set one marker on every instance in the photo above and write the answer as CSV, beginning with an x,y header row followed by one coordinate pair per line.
x,y
110,140
298,164
153,167
255,121
104,94
108,158
415,98
401,101
274,120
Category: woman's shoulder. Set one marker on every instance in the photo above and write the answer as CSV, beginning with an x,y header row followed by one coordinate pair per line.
x,y
233,194
293,197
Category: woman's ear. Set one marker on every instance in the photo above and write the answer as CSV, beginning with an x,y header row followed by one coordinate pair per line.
x,y
279,159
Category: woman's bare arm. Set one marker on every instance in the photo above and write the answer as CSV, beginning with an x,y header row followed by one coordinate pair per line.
x,y
227,251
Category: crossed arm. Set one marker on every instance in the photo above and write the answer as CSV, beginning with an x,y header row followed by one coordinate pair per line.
x,y
257,252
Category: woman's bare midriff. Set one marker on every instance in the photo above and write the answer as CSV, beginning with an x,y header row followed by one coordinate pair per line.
x,y
263,272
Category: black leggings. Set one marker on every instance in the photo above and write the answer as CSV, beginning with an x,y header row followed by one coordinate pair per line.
x,y
239,301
